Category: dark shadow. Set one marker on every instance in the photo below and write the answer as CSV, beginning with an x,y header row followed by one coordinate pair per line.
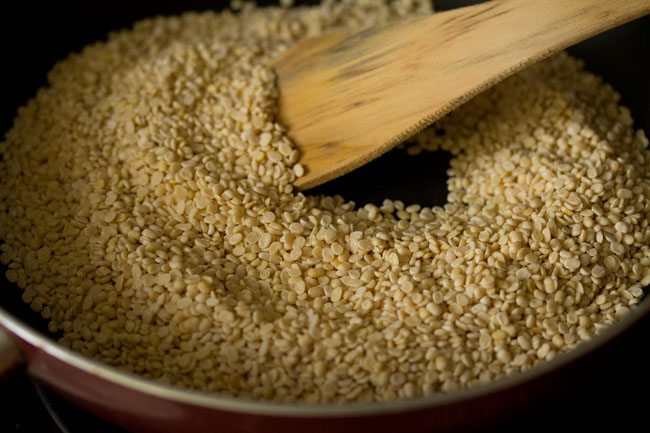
x,y
420,179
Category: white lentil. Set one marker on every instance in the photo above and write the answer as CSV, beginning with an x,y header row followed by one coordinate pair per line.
x,y
158,231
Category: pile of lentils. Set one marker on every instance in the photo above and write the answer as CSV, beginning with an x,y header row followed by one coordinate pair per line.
x,y
148,212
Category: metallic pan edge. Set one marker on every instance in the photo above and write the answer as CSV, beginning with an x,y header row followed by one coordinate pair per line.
x,y
240,405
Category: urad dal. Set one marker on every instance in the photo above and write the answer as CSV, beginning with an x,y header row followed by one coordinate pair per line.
x,y
147,212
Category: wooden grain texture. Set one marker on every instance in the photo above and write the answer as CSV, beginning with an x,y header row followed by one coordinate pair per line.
x,y
348,97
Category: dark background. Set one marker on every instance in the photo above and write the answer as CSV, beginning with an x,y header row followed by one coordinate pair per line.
x,y
36,34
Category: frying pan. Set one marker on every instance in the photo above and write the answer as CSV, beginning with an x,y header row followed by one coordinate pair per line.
x,y
40,33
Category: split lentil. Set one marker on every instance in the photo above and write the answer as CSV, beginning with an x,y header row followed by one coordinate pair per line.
x,y
147,211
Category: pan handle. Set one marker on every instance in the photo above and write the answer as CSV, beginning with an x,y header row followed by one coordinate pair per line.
x,y
9,353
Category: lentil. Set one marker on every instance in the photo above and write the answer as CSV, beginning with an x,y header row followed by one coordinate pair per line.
x,y
147,210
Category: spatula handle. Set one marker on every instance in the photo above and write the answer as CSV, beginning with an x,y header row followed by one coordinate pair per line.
x,y
348,97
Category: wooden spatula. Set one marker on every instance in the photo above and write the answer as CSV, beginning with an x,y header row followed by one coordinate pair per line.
x,y
348,97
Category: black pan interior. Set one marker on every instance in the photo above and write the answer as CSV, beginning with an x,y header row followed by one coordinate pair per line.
x,y
36,34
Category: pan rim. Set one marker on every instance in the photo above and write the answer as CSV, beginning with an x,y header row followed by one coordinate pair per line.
x,y
310,410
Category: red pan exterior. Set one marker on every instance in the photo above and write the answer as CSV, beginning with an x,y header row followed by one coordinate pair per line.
x,y
146,413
